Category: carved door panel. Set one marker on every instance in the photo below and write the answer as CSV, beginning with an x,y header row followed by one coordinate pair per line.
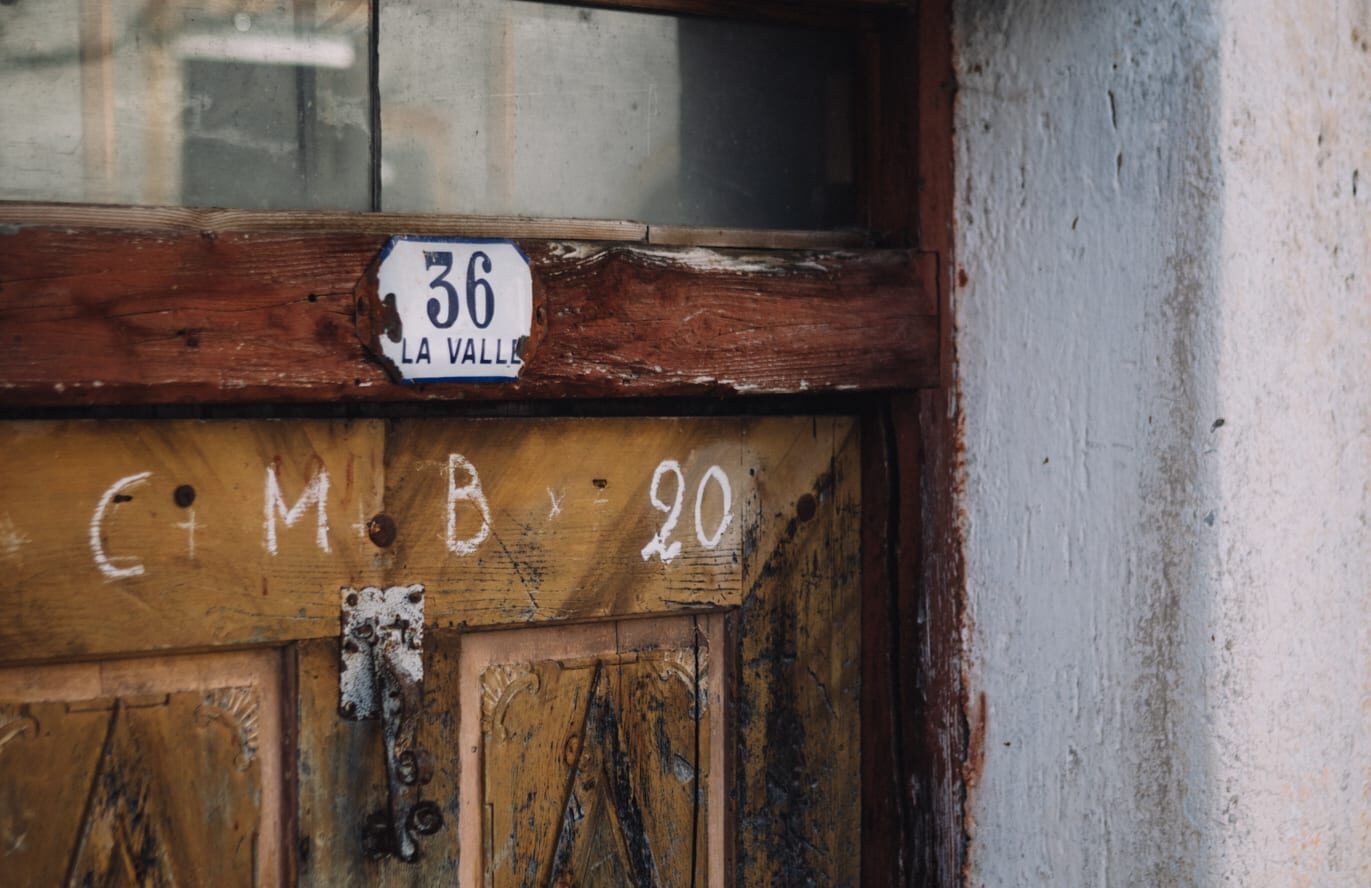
x,y
596,746
174,596
142,772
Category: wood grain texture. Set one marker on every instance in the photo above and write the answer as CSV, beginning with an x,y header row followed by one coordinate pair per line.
x,y
342,779
156,592
108,316
616,814
142,772
569,505
718,322
916,719
930,436
594,746
757,238
935,102
811,13
891,185
798,736
571,514
48,759
197,220
885,816
932,592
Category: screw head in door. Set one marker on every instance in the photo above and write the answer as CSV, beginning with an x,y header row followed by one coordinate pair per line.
x,y
414,766
425,818
381,530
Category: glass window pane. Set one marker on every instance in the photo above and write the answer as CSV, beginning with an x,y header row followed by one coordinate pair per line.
x,y
242,103
527,108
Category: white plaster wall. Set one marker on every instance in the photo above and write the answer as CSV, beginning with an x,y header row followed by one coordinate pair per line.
x,y
1168,616
1291,671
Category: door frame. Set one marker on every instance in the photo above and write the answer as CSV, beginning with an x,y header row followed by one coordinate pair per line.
x,y
881,301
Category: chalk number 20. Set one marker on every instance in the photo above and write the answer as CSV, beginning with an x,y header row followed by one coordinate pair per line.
x,y
660,544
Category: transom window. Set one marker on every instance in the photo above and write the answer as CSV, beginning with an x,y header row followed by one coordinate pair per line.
x,y
483,107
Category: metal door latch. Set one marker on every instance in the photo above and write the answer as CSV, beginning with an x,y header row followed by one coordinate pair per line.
x,y
383,674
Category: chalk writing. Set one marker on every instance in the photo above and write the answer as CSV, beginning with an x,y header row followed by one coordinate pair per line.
x,y
12,539
189,526
97,547
470,491
726,519
658,544
467,503
316,493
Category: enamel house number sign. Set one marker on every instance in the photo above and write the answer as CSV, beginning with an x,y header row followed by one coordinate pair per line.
x,y
464,308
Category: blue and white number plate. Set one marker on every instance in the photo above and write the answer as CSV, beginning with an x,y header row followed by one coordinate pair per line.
x,y
465,308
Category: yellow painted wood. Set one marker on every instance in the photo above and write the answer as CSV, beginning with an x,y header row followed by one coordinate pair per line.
x,y
342,774
549,519
799,663
571,512
595,751
142,773
98,557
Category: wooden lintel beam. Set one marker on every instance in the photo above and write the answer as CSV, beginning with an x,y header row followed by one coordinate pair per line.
x,y
213,219
805,13
99,315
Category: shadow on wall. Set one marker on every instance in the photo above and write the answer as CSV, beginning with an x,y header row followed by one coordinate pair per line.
x,y
1089,220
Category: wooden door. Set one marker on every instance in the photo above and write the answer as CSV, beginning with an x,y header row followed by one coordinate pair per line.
x,y
153,629
639,645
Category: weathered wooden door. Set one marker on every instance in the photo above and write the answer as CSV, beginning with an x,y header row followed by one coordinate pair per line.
x,y
638,637
699,646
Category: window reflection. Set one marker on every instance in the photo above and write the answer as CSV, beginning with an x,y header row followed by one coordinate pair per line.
x,y
218,102
526,108
494,107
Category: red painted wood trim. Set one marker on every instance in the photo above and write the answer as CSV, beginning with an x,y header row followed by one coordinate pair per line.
x,y
104,316
945,746
926,754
